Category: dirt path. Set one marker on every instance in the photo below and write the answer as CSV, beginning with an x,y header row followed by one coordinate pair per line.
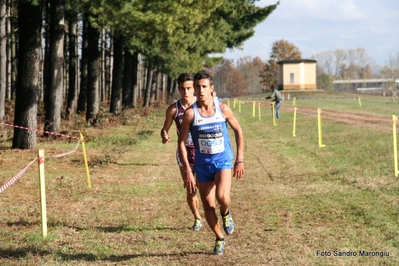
x,y
370,121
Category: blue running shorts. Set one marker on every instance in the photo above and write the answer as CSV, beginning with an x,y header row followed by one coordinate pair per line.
x,y
206,172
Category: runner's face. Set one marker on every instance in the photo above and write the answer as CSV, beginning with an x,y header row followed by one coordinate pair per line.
x,y
203,89
186,90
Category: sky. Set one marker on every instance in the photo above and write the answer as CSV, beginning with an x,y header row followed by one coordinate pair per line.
x,y
325,25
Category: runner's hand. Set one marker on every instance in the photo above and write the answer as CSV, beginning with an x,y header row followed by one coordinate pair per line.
x,y
189,182
165,138
238,170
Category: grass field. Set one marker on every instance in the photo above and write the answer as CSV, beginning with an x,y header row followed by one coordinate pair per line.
x,y
298,204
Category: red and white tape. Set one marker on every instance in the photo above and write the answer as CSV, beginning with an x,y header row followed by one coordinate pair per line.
x,y
41,160
34,129
67,153
15,178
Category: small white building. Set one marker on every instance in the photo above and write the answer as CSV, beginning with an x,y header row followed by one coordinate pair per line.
x,y
297,74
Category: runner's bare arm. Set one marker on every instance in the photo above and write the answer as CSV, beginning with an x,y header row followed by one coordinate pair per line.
x,y
169,115
239,137
189,181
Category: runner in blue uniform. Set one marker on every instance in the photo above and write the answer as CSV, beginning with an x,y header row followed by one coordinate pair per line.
x,y
175,113
206,120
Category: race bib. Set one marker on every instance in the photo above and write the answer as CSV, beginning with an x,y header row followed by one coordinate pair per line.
x,y
211,143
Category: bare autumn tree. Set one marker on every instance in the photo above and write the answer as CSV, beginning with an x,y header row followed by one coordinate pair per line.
x,y
324,69
237,85
325,62
393,73
221,76
269,75
339,61
228,80
366,72
357,62
281,50
342,64
251,69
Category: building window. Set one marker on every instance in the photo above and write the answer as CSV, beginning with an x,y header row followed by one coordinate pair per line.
x,y
291,77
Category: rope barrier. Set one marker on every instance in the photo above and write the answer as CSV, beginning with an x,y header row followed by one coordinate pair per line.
x,y
42,131
15,178
66,153
302,98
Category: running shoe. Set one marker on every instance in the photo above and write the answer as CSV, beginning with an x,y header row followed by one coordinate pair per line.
x,y
228,224
197,225
219,247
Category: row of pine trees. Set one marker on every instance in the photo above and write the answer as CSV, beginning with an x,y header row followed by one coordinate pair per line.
x,y
71,55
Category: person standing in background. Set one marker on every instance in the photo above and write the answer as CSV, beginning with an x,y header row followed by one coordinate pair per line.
x,y
277,99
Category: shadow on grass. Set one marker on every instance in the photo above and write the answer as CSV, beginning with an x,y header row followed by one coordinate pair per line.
x,y
106,229
117,229
22,222
128,257
139,164
9,254
20,253
124,228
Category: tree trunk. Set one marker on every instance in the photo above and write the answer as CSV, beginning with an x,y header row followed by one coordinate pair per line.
x,y
26,102
127,87
174,89
73,63
13,56
93,75
136,79
157,86
116,91
143,78
3,58
47,55
83,70
148,85
164,87
8,53
110,65
169,82
103,66
65,65
54,90
154,87
171,90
